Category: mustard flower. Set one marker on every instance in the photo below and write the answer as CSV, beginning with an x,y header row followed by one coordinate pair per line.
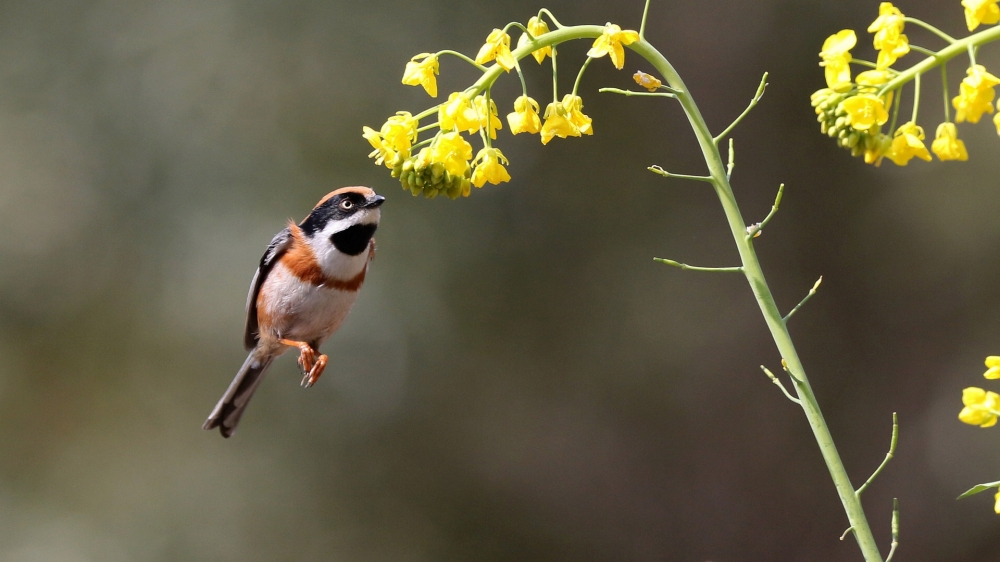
x,y
489,167
980,407
996,503
864,111
651,83
536,27
610,43
497,47
947,146
980,11
453,151
524,118
875,148
423,73
458,113
488,116
993,372
574,106
889,38
907,143
836,55
996,120
975,95
395,137
557,123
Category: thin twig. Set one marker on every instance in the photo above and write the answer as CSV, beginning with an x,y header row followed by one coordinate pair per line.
x,y
803,301
895,530
846,532
888,456
753,102
658,170
754,230
738,269
732,160
634,93
777,382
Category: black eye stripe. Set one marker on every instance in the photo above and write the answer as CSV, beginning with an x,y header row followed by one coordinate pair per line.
x,y
331,210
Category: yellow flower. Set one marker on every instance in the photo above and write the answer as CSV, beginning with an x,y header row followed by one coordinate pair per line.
x,y
489,167
975,95
864,111
947,146
497,47
651,83
566,119
536,26
610,43
453,151
889,38
980,407
996,120
557,123
836,55
524,118
993,362
996,503
907,143
422,73
488,119
980,11
396,137
458,113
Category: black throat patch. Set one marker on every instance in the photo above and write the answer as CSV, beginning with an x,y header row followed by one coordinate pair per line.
x,y
354,240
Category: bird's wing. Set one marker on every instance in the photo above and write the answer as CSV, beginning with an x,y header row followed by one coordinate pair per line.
x,y
278,246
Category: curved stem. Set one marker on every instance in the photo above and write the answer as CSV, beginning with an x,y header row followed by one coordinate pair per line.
x,y
642,26
916,97
461,56
551,17
579,76
930,28
758,284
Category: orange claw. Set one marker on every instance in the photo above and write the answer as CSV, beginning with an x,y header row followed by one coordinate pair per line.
x,y
307,355
313,375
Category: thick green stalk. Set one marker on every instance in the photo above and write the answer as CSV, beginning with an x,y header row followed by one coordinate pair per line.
x,y
779,332
944,55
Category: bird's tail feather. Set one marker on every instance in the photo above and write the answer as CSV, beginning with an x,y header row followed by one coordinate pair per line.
x,y
227,413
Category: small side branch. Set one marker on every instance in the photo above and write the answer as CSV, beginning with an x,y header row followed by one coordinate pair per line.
x,y
635,93
803,301
696,268
732,160
666,174
777,383
888,457
895,530
847,531
754,230
753,102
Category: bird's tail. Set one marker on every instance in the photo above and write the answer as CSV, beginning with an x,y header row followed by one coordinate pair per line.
x,y
227,413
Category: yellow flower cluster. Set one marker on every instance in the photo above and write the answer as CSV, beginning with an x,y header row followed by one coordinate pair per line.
x,y
982,406
444,163
853,110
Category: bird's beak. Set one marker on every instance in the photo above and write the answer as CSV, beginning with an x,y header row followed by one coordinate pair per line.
x,y
374,202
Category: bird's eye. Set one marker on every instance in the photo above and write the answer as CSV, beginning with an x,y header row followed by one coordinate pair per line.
x,y
346,204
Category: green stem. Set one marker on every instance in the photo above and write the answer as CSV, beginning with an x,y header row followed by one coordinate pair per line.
x,y
551,17
930,28
642,26
943,56
461,56
555,76
758,284
916,98
944,86
579,76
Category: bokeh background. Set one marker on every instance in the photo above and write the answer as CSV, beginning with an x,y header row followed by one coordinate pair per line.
x,y
519,380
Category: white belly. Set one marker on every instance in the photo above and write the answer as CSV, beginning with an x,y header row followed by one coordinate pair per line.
x,y
301,311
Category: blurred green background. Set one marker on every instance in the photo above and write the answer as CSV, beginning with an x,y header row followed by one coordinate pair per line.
x,y
519,380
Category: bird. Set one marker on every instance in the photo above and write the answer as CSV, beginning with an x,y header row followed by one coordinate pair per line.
x,y
304,287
